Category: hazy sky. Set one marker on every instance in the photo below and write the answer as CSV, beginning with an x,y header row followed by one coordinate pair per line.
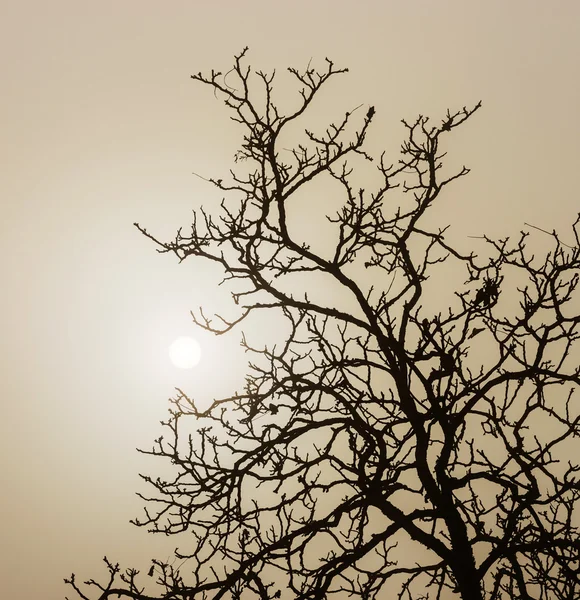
x,y
102,126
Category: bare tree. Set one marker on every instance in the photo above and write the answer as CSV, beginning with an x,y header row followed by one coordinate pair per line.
x,y
391,449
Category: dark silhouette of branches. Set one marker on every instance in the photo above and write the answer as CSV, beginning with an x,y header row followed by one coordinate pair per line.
x,y
389,451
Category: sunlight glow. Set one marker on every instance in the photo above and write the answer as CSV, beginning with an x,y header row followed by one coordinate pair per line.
x,y
185,353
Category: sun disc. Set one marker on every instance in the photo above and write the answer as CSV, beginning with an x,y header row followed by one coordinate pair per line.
x,y
185,353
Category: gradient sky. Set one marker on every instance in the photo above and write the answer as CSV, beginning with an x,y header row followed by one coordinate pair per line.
x,y
101,126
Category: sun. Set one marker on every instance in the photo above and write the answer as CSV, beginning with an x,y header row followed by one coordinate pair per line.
x,y
185,353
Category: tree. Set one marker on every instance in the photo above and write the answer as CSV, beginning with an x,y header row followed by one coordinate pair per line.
x,y
391,450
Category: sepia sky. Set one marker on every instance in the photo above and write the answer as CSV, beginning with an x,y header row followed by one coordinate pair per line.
x,y
102,126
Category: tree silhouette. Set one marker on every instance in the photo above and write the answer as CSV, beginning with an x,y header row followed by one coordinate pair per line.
x,y
385,450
